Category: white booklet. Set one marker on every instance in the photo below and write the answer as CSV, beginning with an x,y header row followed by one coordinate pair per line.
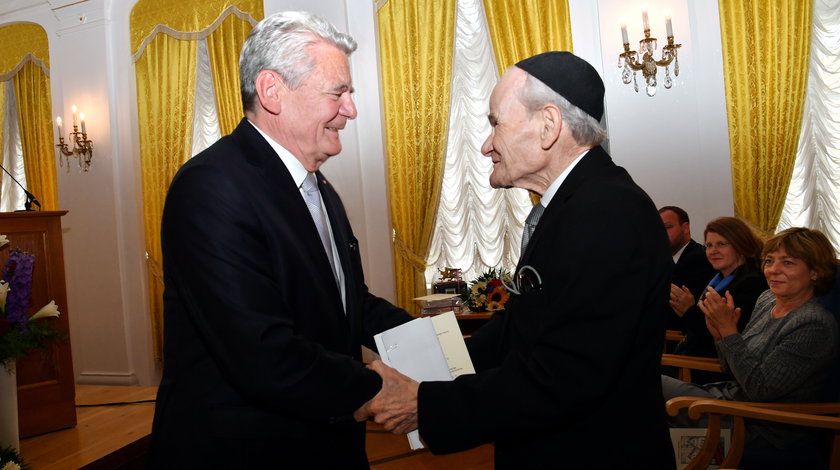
x,y
426,349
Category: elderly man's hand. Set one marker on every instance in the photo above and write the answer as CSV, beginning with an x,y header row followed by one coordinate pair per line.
x,y
395,406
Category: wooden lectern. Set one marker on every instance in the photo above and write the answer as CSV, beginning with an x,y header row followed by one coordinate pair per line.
x,y
46,389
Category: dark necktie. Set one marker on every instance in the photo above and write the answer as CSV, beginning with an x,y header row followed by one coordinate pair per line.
x,y
530,224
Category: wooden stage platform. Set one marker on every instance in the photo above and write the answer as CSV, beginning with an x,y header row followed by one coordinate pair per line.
x,y
116,436
105,437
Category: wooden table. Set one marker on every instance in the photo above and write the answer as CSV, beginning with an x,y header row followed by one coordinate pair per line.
x,y
471,321
468,321
104,437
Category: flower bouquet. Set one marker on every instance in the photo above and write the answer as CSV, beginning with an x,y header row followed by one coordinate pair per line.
x,y
10,459
18,334
487,293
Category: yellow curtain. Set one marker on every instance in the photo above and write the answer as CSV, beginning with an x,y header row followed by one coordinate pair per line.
x,y
416,40
32,91
26,50
165,74
522,28
765,62
223,47
2,114
165,80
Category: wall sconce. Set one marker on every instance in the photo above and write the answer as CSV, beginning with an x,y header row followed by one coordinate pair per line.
x,y
628,60
82,146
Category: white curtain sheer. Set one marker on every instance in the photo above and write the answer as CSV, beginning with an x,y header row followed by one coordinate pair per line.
x,y
813,198
206,128
12,196
477,227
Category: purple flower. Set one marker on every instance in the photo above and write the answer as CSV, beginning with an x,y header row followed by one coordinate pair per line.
x,y
18,274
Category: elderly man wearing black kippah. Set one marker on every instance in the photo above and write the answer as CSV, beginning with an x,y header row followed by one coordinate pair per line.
x,y
568,375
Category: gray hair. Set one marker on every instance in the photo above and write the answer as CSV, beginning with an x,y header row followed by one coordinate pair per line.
x,y
279,43
585,129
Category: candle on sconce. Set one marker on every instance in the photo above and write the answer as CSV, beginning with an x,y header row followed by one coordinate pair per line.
x,y
624,38
74,110
669,29
645,20
58,123
82,119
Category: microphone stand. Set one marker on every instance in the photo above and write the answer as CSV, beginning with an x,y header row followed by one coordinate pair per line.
x,y
27,206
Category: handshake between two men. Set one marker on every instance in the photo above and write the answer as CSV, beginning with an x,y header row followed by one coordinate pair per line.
x,y
395,406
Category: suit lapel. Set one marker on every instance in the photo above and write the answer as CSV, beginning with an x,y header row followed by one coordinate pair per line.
x,y
591,164
284,197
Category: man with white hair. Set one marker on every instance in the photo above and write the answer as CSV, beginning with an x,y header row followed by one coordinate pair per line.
x,y
265,306
568,375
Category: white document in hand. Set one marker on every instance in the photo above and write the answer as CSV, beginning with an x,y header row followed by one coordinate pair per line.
x,y
426,349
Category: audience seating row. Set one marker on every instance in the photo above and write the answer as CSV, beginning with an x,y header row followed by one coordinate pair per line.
x,y
816,415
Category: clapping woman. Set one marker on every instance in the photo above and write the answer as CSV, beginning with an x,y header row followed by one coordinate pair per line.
x,y
733,251
788,348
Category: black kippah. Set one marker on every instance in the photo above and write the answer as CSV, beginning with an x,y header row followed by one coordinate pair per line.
x,y
570,76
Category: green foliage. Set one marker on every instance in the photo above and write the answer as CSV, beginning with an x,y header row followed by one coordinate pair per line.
x,y
21,339
10,454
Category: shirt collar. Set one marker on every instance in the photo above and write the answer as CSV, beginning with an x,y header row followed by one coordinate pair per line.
x,y
679,252
554,186
294,166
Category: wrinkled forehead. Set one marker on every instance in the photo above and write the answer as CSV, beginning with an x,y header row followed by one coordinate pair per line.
x,y
332,66
507,88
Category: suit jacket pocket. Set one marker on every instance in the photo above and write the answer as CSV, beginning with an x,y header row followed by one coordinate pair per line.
x,y
529,314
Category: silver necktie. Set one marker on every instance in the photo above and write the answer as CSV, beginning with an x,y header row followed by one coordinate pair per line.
x,y
530,224
313,202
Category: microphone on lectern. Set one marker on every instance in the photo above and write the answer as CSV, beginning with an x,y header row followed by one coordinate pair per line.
x,y
27,206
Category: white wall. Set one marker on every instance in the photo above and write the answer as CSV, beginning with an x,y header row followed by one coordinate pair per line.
x,y
675,145
103,238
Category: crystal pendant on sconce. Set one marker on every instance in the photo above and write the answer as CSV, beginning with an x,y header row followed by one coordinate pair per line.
x,y
625,75
676,64
635,84
668,82
651,85
621,62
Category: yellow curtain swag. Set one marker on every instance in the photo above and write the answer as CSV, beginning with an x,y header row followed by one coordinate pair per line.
x,y
194,19
23,42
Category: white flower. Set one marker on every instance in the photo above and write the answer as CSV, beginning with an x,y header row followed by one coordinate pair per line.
x,y
49,310
4,290
3,241
11,466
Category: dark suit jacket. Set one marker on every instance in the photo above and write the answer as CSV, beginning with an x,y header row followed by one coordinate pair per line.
x,y
568,376
694,271
262,365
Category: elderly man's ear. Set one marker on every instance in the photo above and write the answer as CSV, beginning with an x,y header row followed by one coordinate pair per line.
x,y
552,124
270,89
